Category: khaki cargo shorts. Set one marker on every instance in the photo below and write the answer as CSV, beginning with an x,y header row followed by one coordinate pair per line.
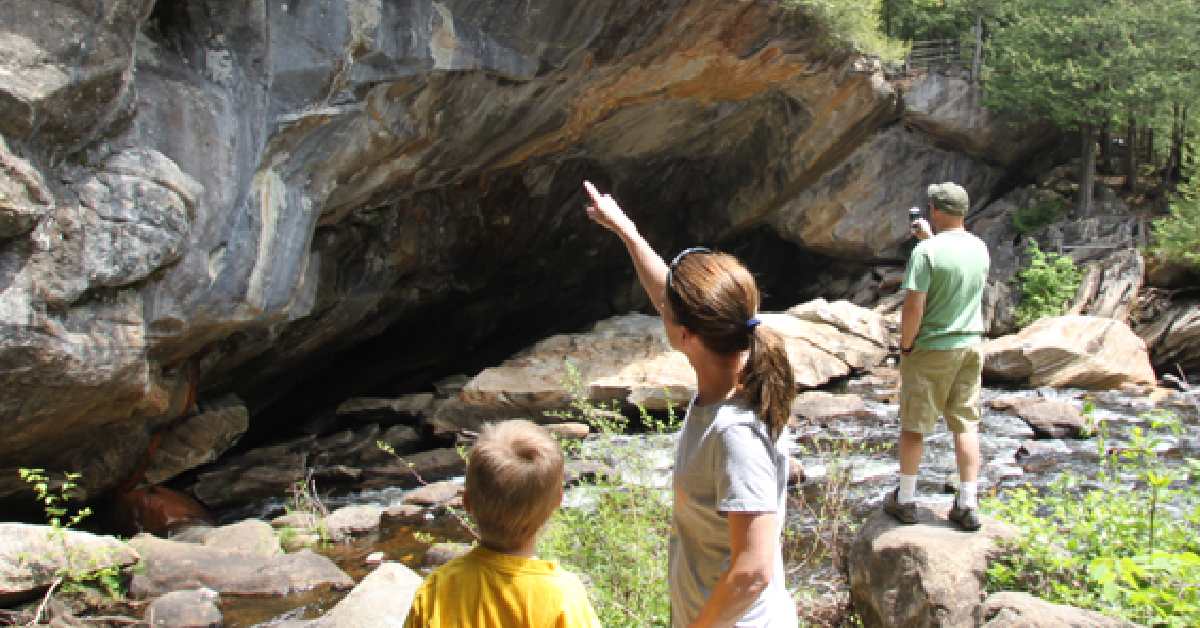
x,y
940,382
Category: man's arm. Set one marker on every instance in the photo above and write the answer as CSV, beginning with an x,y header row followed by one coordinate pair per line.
x,y
651,269
752,538
910,319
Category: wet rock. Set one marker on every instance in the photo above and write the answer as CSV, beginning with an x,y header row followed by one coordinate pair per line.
x,y
817,407
193,608
1037,456
434,494
1069,351
350,521
929,574
1010,609
31,556
439,554
174,566
198,439
1048,418
381,599
251,536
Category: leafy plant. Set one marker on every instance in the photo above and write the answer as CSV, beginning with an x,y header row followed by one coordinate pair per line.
x,y
1107,547
1047,285
618,544
305,501
81,567
856,24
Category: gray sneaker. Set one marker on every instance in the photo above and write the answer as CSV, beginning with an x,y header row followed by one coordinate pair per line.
x,y
904,513
966,518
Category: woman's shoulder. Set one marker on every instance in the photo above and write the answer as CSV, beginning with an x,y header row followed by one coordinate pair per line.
x,y
735,415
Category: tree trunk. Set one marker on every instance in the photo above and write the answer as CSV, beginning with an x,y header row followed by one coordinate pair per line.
x,y
1150,146
1087,169
1105,147
1131,152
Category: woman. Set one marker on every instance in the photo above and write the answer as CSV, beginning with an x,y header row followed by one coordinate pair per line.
x,y
730,481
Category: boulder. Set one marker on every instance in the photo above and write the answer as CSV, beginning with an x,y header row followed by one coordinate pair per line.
x,y
381,599
406,408
816,407
1048,418
1011,609
250,536
927,574
174,566
350,521
1069,351
416,469
193,608
626,359
1110,287
847,317
198,439
32,556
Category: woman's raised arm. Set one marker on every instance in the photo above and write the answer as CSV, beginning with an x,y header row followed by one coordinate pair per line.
x,y
651,270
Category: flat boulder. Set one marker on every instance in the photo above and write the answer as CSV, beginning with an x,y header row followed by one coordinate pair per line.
x,y
381,599
175,566
627,360
350,521
1069,352
927,574
819,407
1047,417
31,557
434,494
1010,609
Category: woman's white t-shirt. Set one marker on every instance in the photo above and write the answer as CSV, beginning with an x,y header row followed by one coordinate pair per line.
x,y
725,462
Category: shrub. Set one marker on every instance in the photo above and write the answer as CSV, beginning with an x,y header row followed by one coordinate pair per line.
x,y
618,544
1047,285
1177,235
1108,547
1042,210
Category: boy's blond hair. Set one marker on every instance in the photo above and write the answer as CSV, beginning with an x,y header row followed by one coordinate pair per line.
x,y
514,482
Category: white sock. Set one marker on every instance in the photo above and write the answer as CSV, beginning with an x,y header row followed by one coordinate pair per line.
x,y
908,489
967,494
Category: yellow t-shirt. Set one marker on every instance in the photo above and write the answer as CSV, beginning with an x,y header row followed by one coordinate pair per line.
x,y
485,589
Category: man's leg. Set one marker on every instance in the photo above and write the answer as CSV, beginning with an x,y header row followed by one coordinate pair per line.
x,y
962,417
911,447
966,454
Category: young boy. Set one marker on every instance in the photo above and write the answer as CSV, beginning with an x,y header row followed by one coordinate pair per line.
x,y
514,484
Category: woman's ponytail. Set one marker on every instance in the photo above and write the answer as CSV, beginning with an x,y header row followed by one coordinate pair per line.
x,y
768,381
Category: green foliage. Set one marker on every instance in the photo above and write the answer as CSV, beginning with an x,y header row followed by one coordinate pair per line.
x,y
305,501
1047,285
619,544
928,19
82,568
1109,548
1177,236
1039,212
854,23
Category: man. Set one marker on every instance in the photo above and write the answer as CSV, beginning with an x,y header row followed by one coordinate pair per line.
x,y
940,364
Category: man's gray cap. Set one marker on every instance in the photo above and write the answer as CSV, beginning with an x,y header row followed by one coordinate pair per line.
x,y
950,198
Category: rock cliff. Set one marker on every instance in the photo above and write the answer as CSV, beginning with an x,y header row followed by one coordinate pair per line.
x,y
203,197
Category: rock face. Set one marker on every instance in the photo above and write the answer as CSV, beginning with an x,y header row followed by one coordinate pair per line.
x,y
1174,335
928,574
228,197
1069,351
31,557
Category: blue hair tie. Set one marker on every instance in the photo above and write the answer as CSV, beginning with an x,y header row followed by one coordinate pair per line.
x,y
752,323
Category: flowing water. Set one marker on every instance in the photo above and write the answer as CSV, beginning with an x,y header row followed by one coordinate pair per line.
x,y
849,465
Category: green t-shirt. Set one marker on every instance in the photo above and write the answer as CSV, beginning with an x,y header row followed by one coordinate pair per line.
x,y
951,268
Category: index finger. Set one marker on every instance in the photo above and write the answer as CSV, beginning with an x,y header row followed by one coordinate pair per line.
x,y
592,191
